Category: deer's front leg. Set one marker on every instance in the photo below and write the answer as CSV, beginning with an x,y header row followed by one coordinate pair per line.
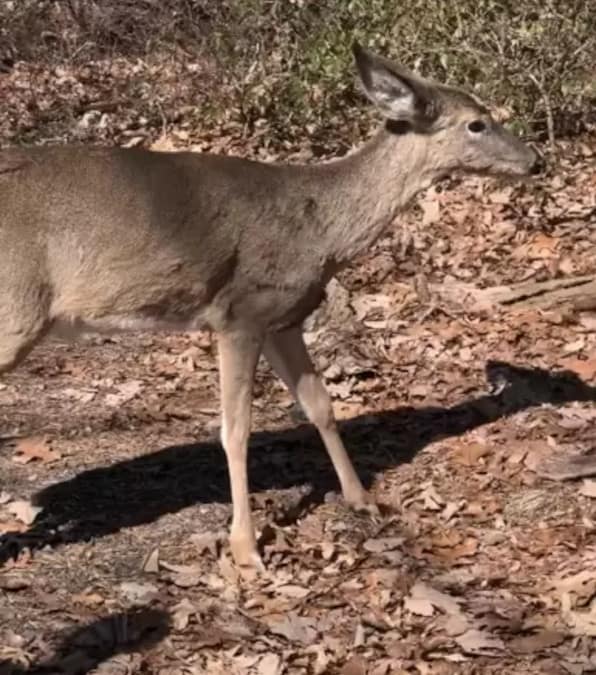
x,y
238,355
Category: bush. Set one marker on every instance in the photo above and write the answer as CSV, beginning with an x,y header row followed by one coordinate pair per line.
x,y
285,65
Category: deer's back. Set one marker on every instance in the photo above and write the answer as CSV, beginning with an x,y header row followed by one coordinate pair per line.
x,y
134,237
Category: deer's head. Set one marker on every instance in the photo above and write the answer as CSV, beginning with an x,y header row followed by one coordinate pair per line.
x,y
460,133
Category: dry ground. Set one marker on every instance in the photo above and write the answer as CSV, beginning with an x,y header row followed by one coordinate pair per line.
x,y
114,492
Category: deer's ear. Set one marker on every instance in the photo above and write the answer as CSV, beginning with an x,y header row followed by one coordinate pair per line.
x,y
398,94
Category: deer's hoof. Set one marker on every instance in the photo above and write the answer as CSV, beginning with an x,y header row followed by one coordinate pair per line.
x,y
246,557
363,501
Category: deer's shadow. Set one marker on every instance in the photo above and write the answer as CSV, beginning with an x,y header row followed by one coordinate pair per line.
x,y
101,501
84,647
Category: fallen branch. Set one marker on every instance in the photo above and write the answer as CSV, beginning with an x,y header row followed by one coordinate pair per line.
x,y
567,468
576,293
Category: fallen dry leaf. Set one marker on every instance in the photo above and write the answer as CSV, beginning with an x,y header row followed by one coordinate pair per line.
x,y
126,392
431,498
295,628
423,599
181,613
228,570
537,642
185,576
431,209
354,666
383,544
419,605
579,622
82,395
88,599
478,642
585,368
293,591
14,582
328,550
446,538
139,593
35,447
578,588
470,453
456,624
12,525
540,247
270,664
582,623
24,511
467,548
385,578
209,541
588,488
451,509
163,144
322,659
151,562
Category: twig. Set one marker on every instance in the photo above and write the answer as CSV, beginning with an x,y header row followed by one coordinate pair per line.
x,y
164,119
550,123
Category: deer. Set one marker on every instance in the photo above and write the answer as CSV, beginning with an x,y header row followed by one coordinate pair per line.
x,y
96,239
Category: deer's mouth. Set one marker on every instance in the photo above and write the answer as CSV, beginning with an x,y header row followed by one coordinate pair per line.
x,y
501,170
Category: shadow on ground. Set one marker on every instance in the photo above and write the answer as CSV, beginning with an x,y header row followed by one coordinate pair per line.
x,y
101,501
81,650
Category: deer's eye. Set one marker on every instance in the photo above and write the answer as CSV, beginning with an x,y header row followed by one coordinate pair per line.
x,y
476,126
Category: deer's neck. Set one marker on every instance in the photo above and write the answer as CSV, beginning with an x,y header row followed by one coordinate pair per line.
x,y
361,194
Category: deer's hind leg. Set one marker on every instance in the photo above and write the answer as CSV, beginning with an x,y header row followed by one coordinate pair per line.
x,y
287,354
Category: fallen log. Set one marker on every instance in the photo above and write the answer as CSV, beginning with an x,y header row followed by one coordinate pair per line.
x,y
572,293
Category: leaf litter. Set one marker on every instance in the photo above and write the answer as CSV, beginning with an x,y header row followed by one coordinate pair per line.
x,y
483,557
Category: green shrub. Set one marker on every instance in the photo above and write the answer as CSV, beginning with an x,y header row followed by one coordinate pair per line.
x,y
285,65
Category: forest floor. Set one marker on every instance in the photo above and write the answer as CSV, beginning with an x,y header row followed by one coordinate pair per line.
x,y
475,429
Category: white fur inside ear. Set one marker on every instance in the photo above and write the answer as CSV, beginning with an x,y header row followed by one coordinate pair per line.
x,y
395,98
398,107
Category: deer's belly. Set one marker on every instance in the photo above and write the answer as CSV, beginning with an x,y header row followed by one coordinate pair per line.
x,y
71,329
274,308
